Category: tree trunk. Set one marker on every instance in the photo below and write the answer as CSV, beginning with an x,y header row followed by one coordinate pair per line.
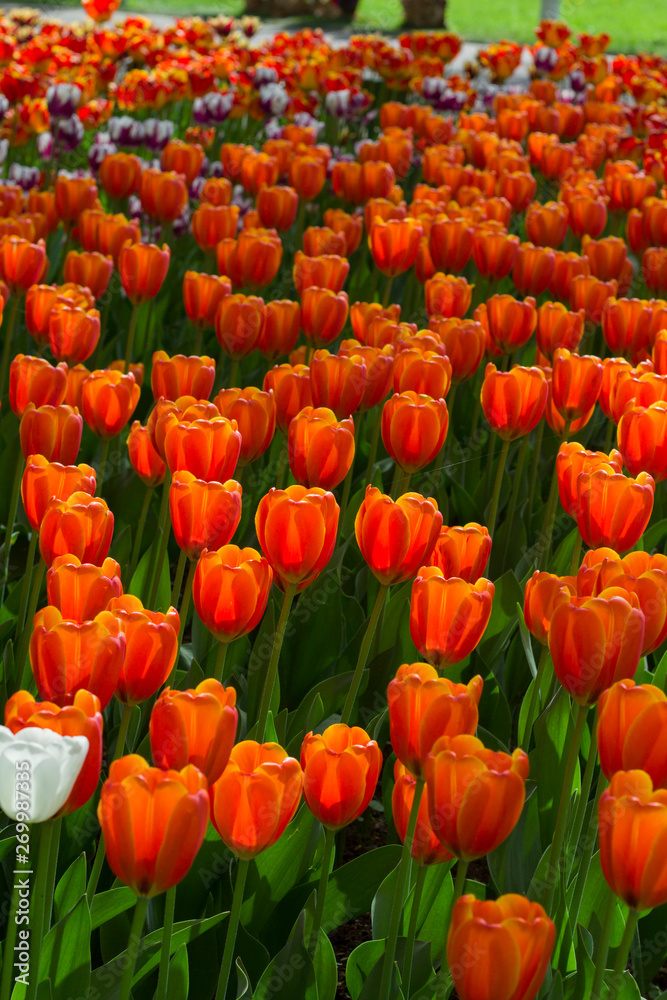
x,y
424,13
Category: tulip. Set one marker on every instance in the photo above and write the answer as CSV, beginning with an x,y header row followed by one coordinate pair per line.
x,y
68,656
414,429
81,525
153,823
51,431
513,402
82,718
533,267
654,267
213,223
39,301
394,244
426,848
231,590
642,441
209,449
464,343
34,380
396,537
307,175
281,328
379,365
323,314
73,195
120,175
340,767
22,263
568,266
462,552
595,642
144,459
349,226
423,707
204,515
277,207
494,253
322,240
90,269
510,323
297,529
239,323
320,448
327,271
151,647
425,373
514,939
576,383
202,294
254,413
80,591
556,327
338,382
448,617
108,400
143,268
631,730
182,376
626,326
571,460
475,795
362,315
546,224
632,812
44,481
447,295
290,385
591,295
163,194
613,510
544,592
450,244
73,333
53,764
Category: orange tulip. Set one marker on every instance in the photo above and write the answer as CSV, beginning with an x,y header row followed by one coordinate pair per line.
x,y
595,642
338,382
197,726
349,226
340,767
544,592
642,440
39,302
44,481
447,295
183,158
426,848
34,380
425,373
450,244
153,823
320,448
533,268
423,707
591,295
633,812
73,196
151,648
394,244
546,224
230,590
475,795
626,327
513,402
163,195
91,269
52,431
448,617
203,515
631,730
462,552
108,400
508,322
202,294
568,266
379,364
74,333
296,528
144,459
258,170
494,253
323,315
22,263
264,787
277,207
588,216
396,537
281,328
212,223
80,525
572,460
654,267
514,939
216,191
576,383
143,268
608,258
82,718
120,174
67,657
319,240
239,323
464,343
556,327
326,271
414,429
613,510
307,175
290,385
182,376
80,591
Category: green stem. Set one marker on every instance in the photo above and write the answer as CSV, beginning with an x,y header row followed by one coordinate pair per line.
x,y
11,517
232,929
282,465
23,661
564,805
130,338
163,976
39,904
387,292
586,783
552,503
27,577
103,465
96,870
8,335
459,885
534,469
609,436
514,498
406,974
345,499
363,654
126,715
178,579
329,845
576,555
187,597
396,482
624,948
133,943
7,980
375,437
234,373
164,530
493,513
220,661
271,673
136,548
605,940
584,867
534,697
399,896
51,873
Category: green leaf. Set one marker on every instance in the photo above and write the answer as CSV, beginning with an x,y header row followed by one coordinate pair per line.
x,y
508,593
138,585
107,905
653,941
326,968
259,659
514,862
383,902
434,907
556,991
290,974
579,984
553,734
655,536
71,887
623,988
65,958
178,983
352,886
243,990
526,641
660,676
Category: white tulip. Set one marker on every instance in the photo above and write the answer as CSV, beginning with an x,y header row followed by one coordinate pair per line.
x,y
40,789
